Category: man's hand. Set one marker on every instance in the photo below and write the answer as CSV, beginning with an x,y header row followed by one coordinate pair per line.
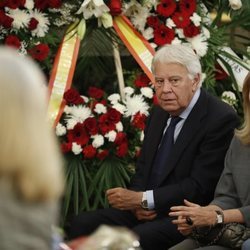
x,y
124,199
142,214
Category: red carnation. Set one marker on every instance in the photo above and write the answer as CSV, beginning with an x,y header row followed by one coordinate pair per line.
x,y
120,138
14,4
163,35
142,81
188,6
122,149
71,96
166,8
55,4
13,41
66,147
78,134
102,154
40,52
89,152
95,92
90,125
181,19
191,31
139,121
33,23
115,7
153,21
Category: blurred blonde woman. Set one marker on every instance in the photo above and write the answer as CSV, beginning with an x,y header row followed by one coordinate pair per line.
x,y
31,178
231,202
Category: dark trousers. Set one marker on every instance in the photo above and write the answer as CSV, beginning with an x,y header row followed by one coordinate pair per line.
x,y
157,234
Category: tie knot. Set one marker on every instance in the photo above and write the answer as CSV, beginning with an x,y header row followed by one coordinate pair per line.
x,y
174,120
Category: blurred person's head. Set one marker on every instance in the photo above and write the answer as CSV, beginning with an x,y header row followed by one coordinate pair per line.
x,y
177,75
244,132
29,157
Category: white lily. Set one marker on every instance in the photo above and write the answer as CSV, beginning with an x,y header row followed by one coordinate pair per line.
x,y
93,7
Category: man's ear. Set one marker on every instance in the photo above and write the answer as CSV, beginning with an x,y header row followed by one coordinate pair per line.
x,y
196,82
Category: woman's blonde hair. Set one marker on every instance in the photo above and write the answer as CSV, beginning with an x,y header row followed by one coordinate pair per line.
x,y
244,132
29,156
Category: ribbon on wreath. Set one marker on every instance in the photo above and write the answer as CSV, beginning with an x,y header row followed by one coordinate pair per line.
x,y
137,45
63,70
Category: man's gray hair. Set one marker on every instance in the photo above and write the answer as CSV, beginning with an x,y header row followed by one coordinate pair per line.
x,y
178,53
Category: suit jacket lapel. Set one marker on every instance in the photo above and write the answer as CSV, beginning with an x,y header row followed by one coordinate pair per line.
x,y
189,129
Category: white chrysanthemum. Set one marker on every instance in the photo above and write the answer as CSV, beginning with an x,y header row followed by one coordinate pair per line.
x,y
199,44
92,7
80,113
150,3
136,104
119,107
114,98
235,4
153,45
60,129
29,4
111,135
148,33
132,8
21,18
70,123
76,149
67,109
98,141
85,98
43,24
140,18
106,20
128,91
23,48
196,19
170,23
142,136
147,92
119,126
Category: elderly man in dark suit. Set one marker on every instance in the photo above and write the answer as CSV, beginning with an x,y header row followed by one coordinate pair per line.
x,y
182,157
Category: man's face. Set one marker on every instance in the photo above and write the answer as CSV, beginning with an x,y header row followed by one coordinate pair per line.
x,y
174,89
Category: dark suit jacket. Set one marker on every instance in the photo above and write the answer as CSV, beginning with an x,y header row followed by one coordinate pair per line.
x,y
197,158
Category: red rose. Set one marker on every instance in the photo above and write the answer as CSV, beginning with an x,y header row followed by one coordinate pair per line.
x,y
14,4
78,134
122,150
113,115
33,23
166,8
191,31
95,92
41,4
55,4
153,21
13,41
115,7
89,152
120,138
142,81
139,121
72,96
163,35
66,147
102,154
40,52
5,21
91,125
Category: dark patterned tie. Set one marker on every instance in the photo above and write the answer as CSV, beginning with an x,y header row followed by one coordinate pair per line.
x,y
163,153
